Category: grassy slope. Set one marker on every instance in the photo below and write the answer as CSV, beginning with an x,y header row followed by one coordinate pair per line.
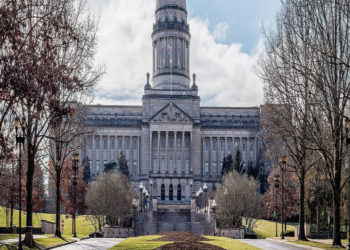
x,y
83,225
317,244
8,236
140,243
41,243
267,229
228,243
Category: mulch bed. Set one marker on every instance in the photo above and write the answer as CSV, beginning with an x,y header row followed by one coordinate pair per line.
x,y
185,241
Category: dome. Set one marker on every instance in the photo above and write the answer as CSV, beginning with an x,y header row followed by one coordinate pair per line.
x,y
178,3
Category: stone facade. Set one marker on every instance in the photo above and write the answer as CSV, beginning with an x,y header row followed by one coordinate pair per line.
x,y
172,144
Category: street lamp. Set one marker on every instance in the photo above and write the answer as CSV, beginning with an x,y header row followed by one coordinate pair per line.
x,y
347,126
205,188
284,162
277,185
19,143
75,160
134,207
141,191
214,210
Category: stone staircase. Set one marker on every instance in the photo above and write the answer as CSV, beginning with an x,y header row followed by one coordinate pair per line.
x,y
148,223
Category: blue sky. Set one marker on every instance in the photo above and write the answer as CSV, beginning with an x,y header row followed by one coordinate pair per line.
x,y
244,17
226,46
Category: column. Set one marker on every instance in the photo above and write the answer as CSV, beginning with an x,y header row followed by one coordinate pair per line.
x,y
108,149
190,155
218,150
93,160
203,156
151,152
225,147
123,148
183,152
138,156
101,154
210,156
166,151
175,150
158,151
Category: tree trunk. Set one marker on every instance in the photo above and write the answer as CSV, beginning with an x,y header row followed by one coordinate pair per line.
x,y
318,213
11,212
29,241
336,203
58,204
301,235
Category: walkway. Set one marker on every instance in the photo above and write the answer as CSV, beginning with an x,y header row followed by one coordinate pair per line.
x,y
275,245
92,244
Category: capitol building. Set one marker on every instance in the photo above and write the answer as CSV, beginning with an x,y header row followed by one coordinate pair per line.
x,y
172,143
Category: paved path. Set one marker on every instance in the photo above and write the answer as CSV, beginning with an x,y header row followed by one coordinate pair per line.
x,y
92,244
274,245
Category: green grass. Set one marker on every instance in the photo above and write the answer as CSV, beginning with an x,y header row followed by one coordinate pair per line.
x,y
267,229
318,244
228,243
8,236
40,243
83,225
141,243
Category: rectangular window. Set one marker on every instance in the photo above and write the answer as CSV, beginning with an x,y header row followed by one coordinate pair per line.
x,y
163,164
171,142
179,142
120,143
214,167
187,164
97,141
187,142
105,141
171,163
244,146
251,146
97,166
236,145
135,144
206,146
155,163
214,146
112,143
162,139
230,146
155,142
135,168
127,146
222,143
206,167
90,143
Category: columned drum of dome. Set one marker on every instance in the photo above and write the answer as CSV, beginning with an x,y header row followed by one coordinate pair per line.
x,y
171,46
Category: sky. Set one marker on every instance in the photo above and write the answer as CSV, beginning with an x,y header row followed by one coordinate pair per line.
x,y
226,45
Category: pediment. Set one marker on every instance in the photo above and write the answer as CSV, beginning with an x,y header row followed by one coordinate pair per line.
x,y
171,113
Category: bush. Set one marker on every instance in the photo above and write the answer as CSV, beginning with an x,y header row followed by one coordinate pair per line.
x,y
289,233
250,236
96,235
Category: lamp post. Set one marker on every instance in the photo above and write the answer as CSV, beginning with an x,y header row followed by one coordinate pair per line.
x,y
347,126
19,143
284,162
277,185
205,188
75,160
134,207
214,211
141,191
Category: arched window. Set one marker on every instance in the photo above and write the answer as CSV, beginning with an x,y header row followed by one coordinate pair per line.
x,y
162,192
179,192
171,192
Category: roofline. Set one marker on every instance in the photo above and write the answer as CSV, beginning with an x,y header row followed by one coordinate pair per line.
x,y
113,106
254,107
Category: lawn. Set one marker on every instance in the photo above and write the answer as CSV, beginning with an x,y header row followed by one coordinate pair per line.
x,y
317,244
267,229
8,236
228,243
140,243
40,243
83,225
146,243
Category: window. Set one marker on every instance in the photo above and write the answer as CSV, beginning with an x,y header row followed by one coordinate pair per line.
x,y
214,167
135,144
155,163
206,146
105,141
135,168
214,146
251,146
179,192
127,146
222,143
187,142
97,166
171,192
187,164
162,193
179,142
163,164
162,139
230,146
97,141
113,143
171,142
244,146
120,143
90,143
236,145
206,168
171,164
155,143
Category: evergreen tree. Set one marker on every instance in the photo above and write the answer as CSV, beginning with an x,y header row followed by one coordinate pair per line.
x,y
110,167
226,165
237,163
87,171
123,164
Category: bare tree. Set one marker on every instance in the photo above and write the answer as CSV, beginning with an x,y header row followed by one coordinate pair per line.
x,y
237,198
308,57
111,197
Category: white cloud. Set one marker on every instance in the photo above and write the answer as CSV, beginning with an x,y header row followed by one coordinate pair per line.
x,y
220,32
225,75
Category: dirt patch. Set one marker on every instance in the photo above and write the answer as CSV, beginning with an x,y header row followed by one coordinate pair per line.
x,y
189,246
181,236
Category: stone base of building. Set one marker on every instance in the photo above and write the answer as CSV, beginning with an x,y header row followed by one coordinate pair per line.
x,y
118,232
236,233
